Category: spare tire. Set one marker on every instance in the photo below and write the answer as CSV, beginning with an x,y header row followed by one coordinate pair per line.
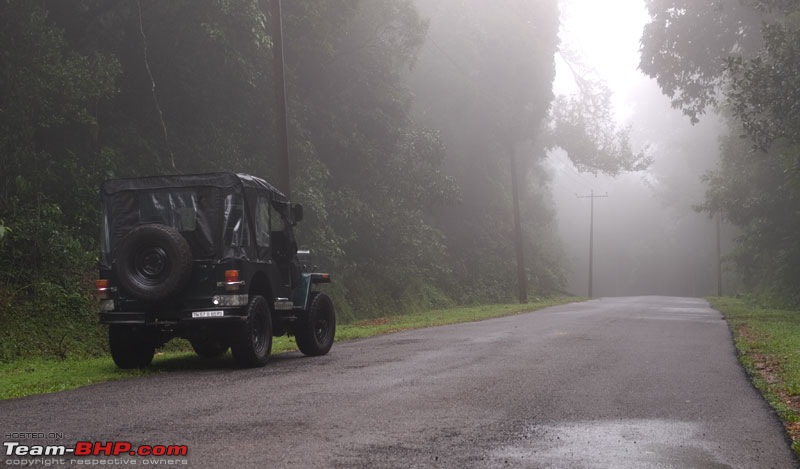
x,y
153,262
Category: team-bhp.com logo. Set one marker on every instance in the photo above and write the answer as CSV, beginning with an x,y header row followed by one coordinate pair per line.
x,y
37,454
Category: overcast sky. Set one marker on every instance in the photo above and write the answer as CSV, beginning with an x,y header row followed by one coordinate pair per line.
x,y
605,35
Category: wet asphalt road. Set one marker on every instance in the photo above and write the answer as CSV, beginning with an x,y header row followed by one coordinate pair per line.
x,y
645,382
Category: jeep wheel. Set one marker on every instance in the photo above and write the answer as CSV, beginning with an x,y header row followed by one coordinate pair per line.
x,y
252,343
209,346
131,346
315,331
153,261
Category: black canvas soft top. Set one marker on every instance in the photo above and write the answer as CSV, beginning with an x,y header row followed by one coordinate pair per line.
x,y
221,180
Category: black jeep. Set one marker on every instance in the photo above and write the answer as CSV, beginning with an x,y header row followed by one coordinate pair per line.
x,y
211,258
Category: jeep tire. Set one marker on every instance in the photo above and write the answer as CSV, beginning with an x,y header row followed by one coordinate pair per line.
x,y
251,344
153,262
315,330
131,346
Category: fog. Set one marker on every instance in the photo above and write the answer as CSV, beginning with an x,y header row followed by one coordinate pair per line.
x,y
648,237
435,144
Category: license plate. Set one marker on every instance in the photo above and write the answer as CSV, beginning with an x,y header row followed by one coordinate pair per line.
x,y
208,314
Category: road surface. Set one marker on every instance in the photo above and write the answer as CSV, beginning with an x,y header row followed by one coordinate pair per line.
x,y
644,382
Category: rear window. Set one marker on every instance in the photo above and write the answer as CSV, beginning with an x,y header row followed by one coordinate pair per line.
x,y
194,212
175,209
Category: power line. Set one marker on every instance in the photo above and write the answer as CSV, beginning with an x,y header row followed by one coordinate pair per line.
x,y
571,177
567,170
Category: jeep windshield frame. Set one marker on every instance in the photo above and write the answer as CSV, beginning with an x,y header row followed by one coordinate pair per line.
x,y
212,211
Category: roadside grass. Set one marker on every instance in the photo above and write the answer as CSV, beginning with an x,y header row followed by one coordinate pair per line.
x,y
27,377
768,343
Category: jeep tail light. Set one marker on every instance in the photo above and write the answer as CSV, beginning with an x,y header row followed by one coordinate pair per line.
x,y
319,277
231,276
232,282
101,288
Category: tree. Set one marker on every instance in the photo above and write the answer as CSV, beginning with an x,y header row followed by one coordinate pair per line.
x,y
759,193
686,43
583,126
97,89
484,79
194,88
744,63
50,157
51,161
764,91
383,171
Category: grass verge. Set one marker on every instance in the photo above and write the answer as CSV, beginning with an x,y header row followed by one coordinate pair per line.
x,y
768,342
38,376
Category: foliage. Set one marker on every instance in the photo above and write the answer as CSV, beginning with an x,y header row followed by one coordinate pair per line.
x,y
383,174
48,124
192,89
95,89
49,321
685,44
489,106
583,126
764,91
50,164
758,192
744,62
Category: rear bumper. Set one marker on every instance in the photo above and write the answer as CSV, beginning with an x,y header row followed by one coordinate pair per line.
x,y
190,318
122,318
219,308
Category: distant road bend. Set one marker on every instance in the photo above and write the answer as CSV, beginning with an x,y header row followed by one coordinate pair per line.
x,y
641,382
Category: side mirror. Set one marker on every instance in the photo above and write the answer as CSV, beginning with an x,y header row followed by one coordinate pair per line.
x,y
297,213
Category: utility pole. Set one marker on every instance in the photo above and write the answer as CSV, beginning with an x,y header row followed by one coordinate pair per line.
x,y
283,178
591,197
719,256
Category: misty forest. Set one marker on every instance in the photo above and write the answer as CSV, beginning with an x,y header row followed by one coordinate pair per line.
x,y
415,129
